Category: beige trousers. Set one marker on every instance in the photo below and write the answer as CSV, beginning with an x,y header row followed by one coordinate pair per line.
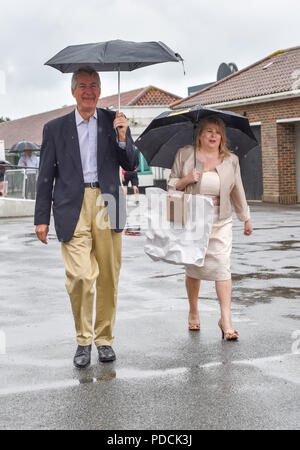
x,y
93,254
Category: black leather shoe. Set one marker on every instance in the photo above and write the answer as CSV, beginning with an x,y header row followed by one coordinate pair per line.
x,y
82,356
106,353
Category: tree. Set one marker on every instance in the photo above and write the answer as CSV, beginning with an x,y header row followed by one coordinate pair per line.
x,y
4,119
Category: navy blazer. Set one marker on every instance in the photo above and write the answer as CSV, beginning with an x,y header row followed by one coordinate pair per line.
x,y
61,182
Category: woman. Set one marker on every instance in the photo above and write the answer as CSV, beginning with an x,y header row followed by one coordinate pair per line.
x,y
217,175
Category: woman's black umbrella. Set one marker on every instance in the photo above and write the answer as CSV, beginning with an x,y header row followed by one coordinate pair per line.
x,y
21,146
170,131
116,55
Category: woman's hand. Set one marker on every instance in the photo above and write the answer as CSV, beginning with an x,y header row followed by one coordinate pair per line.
x,y
248,228
192,177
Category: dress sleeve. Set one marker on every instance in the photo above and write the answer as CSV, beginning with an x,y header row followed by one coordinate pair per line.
x,y
238,196
175,174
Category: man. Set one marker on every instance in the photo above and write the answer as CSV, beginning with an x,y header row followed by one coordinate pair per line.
x,y
131,176
28,160
81,153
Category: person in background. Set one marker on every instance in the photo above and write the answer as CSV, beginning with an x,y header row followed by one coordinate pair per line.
x,y
218,177
131,176
28,160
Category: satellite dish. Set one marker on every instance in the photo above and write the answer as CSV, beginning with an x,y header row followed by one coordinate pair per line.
x,y
225,70
233,67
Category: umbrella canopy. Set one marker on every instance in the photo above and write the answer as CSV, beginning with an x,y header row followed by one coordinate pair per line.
x,y
4,163
116,55
112,56
170,131
21,146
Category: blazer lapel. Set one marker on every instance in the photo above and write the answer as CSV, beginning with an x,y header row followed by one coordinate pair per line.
x,y
72,143
103,137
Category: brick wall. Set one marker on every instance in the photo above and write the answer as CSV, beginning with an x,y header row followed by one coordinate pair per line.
x,y
278,147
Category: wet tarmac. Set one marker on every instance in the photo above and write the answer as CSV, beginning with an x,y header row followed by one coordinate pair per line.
x,y
165,377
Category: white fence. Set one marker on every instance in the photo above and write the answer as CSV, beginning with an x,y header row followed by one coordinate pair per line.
x,y
20,183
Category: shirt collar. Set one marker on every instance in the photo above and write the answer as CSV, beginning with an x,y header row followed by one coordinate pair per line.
x,y
79,119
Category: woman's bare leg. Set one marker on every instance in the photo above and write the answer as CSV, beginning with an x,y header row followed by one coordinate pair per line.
x,y
192,289
224,289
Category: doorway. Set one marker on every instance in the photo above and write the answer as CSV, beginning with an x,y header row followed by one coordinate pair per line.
x,y
251,169
297,129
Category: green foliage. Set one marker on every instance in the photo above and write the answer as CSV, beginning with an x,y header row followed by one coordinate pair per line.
x,y
4,119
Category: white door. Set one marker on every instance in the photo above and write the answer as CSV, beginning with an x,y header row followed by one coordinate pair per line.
x,y
298,161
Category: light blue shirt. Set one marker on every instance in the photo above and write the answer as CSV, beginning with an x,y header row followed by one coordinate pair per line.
x,y
87,137
31,161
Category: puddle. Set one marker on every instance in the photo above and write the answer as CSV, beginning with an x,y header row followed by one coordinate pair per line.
x,y
167,276
285,367
87,377
252,296
292,316
263,276
284,245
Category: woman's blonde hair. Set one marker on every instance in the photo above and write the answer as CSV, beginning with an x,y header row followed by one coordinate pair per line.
x,y
214,120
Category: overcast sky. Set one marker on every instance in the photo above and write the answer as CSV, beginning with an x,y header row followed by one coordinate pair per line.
x,y
204,32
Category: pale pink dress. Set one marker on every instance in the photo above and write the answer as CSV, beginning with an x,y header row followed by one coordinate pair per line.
x,y
217,260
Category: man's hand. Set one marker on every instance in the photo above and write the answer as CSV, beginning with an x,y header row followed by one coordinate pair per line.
x,y
121,124
41,232
248,228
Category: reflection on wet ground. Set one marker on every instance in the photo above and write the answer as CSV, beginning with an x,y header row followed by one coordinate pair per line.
x,y
264,276
170,275
251,295
292,316
104,377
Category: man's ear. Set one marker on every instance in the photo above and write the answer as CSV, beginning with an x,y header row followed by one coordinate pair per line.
x,y
72,91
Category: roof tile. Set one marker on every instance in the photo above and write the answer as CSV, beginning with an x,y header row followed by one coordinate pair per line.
x,y
30,128
273,74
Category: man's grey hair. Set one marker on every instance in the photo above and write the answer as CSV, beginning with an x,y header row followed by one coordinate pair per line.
x,y
89,71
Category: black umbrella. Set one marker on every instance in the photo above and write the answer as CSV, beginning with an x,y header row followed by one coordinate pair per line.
x,y
21,146
116,55
170,131
4,163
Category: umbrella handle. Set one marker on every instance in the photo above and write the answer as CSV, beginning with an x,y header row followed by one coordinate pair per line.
x,y
119,101
195,145
119,94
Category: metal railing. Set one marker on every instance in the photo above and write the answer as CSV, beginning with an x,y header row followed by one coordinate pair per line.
x,y
21,183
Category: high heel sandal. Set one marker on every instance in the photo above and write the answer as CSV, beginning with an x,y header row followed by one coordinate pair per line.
x,y
228,336
194,326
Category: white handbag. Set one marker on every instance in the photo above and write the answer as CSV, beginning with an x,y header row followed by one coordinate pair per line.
x,y
179,226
